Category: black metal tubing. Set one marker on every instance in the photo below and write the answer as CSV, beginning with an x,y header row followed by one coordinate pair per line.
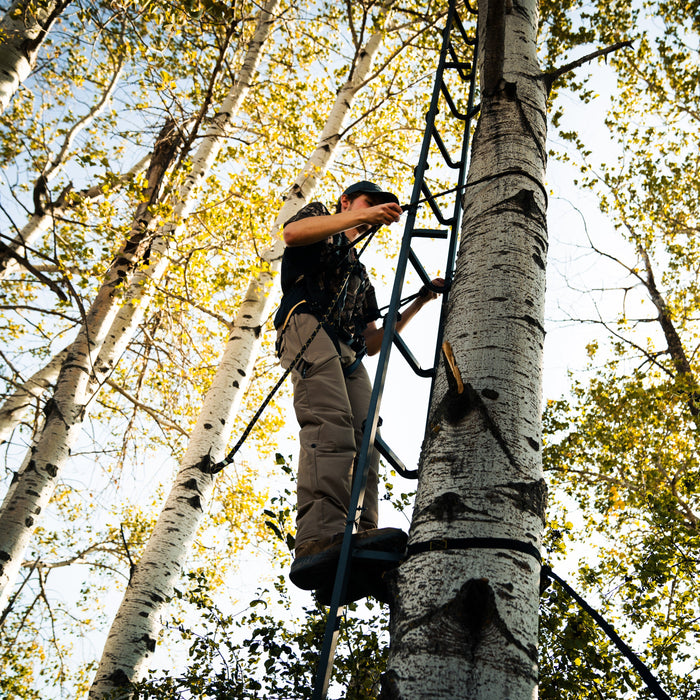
x,y
443,150
410,358
370,439
430,233
393,459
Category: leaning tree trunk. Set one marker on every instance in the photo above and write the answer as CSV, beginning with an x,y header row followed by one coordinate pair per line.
x,y
34,483
464,624
117,324
134,631
47,212
25,399
23,29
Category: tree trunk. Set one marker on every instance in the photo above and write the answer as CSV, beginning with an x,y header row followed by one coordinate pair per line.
x,y
132,637
465,620
26,396
76,385
23,29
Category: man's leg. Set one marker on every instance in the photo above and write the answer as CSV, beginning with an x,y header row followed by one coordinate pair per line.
x,y
359,389
327,436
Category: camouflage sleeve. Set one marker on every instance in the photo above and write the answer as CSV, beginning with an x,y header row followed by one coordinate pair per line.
x,y
311,209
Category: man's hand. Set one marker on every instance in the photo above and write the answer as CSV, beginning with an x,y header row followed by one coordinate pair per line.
x,y
426,294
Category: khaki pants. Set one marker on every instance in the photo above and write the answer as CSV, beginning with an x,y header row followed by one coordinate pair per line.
x,y
331,409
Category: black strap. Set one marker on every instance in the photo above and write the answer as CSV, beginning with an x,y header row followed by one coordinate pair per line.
x,y
441,544
646,675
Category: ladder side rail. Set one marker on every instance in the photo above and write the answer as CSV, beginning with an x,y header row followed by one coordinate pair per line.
x,y
454,238
325,663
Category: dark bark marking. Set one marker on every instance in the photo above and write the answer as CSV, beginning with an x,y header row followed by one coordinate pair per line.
x,y
51,469
534,444
533,322
143,613
490,394
204,464
241,372
150,642
538,261
530,497
4,556
222,421
195,502
494,46
235,383
447,506
29,521
208,426
191,484
118,678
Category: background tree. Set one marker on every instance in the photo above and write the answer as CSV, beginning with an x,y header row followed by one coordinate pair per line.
x,y
621,449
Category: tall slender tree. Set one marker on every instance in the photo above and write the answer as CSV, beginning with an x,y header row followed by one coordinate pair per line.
x,y
464,624
23,29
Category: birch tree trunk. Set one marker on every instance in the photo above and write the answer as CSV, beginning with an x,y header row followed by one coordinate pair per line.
x,y
465,620
33,486
46,212
18,406
132,637
111,323
23,29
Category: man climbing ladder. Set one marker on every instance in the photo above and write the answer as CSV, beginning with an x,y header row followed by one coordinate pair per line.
x,y
323,280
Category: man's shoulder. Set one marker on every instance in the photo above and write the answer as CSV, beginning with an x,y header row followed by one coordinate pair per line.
x,y
310,209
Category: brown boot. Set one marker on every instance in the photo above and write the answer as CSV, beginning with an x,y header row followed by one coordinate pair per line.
x,y
315,561
366,576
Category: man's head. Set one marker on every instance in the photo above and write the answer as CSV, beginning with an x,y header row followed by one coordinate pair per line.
x,y
374,193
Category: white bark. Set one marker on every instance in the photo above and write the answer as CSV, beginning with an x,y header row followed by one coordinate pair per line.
x,y
465,620
24,400
23,28
76,385
111,324
134,631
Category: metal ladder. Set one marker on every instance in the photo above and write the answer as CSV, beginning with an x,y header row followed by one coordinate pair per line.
x,y
458,61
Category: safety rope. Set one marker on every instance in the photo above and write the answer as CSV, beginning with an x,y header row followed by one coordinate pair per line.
x,y
644,672
218,466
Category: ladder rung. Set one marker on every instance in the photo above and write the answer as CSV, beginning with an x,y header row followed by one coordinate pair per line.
x,y
408,356
391,457
429,233
459,65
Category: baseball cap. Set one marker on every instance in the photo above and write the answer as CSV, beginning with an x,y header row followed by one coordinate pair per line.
x,y
367,187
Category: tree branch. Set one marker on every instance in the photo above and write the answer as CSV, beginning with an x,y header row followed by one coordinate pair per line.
x,y
550,78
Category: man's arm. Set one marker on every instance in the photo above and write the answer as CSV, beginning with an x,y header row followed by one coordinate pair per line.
x,y
374,335
317,228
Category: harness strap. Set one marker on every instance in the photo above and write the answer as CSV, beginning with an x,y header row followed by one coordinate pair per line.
x,y
440,544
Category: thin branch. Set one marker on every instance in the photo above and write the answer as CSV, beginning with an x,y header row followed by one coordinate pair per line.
x,y
156,415
550,78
